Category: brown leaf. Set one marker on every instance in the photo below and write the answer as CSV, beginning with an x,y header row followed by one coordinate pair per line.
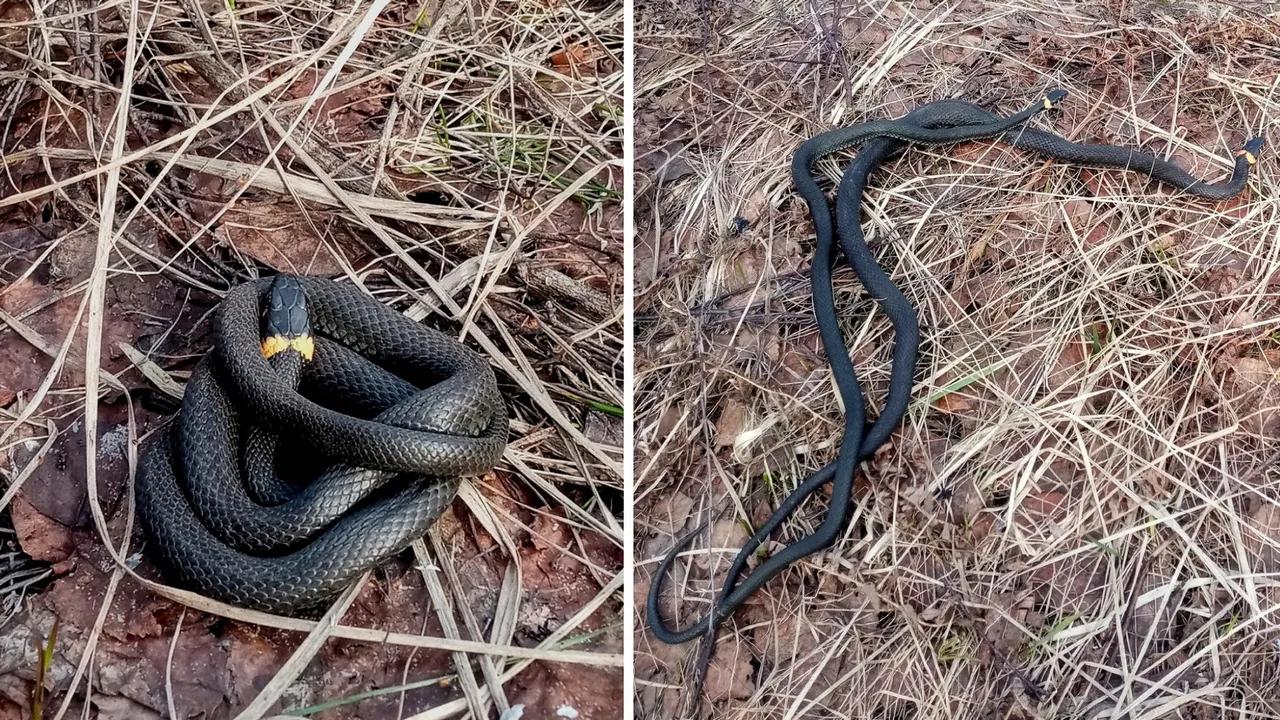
x,y
120,708
277,235
1092,180
1002,629
253,661
77,601
560,690
732,420
1046,506
40,537
981,527
967,501
1262,537
1098,235
729,676
1079,212
668,422
671,513
725,533
1237,208
953,402
136,670
577,60
1069,365
1253,386
1072,584
57,487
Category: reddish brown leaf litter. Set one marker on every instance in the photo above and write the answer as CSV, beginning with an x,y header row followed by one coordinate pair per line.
x,y
1074,518
40,537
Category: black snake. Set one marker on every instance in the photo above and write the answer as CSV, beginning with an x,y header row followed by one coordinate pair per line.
x,y
882,138
380,415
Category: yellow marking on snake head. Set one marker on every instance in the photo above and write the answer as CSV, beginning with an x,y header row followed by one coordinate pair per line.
x,y
274,344
1247,156
304,345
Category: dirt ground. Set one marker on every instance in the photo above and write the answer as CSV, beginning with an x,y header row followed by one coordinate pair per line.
x,y
1080,514
463,164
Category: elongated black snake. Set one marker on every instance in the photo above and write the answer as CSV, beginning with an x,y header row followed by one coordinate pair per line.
x,y
859,441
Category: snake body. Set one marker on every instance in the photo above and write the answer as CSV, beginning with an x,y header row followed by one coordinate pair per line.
x,y
859,441
392,412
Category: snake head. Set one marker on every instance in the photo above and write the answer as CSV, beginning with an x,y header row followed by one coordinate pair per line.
x,y
1053,97
1251,150
287,324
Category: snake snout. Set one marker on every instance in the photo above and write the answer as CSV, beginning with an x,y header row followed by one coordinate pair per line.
x,y
1053,97
1252,149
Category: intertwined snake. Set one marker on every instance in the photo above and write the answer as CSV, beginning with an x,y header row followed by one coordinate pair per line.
x,y
945,121
392,413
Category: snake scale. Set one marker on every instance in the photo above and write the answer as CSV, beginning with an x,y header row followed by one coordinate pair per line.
x,y
860,440
324,434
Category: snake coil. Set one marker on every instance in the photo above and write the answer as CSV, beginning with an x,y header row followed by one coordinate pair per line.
x,y
377,416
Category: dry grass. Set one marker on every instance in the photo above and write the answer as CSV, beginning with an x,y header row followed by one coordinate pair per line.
x,y
1080,515
462,161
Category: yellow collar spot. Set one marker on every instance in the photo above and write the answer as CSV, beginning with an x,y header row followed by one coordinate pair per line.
x,y
305,345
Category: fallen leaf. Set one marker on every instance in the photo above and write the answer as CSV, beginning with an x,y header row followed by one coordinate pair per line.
x,y
252,661
1098,235
1238,207
40,537
1046,506
1073,584
560,690
276,234
1252,388
729,675
1079,212
119,708
1092,180
733,417
967,501
725,533
1069,366
954,402
577,60
1262,537
1001,628
671,513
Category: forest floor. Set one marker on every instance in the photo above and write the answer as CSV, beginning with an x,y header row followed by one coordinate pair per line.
x,y
460,162
1080,514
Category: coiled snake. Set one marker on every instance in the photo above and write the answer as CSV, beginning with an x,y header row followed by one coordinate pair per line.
x,y
390,412
922,126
